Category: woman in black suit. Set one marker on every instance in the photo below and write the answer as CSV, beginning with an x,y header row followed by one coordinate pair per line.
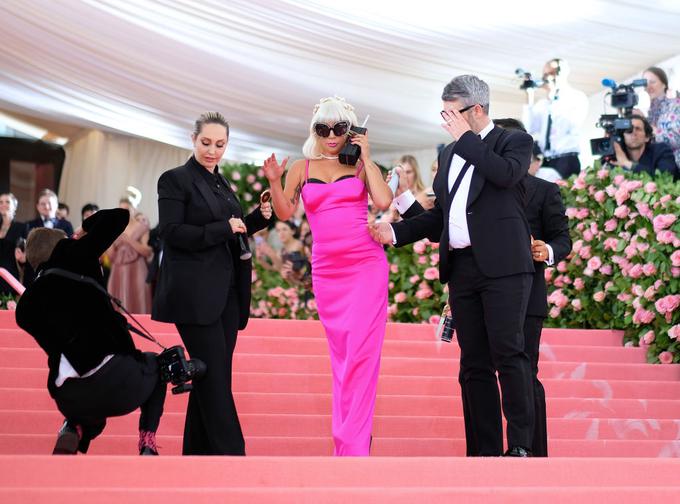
x,y
10,232
203,285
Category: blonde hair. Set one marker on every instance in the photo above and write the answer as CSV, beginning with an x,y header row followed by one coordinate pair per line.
x,y
418,185
329,110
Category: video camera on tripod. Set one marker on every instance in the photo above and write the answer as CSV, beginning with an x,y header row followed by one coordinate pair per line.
x,y
528,82
623,98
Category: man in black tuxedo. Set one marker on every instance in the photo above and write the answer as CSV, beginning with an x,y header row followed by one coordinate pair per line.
x,y
95,370
47,206
485,255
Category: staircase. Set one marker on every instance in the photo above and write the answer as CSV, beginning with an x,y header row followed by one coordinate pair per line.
x,y
614,427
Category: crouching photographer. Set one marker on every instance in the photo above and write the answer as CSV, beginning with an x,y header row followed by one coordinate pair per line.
x,y
95,371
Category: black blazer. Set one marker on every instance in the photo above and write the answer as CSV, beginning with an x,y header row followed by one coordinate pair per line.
x,y
62,224
498,228
548,222
657,156
7,246
200,252
65,316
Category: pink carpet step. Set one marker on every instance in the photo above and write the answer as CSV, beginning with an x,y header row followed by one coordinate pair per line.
x,y
135,472
35,378
404,405
109,444
291,425
433,349
34,357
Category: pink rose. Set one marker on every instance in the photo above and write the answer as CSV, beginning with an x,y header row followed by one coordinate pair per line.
x,y
548,274
562,266
602,174
665,199
648,337
642,247
642,316
419,247
554,312
644,210
431,274
558,298
675,272
584,253
610,225
621,212
434,259
675,257
611,243
623,297
649,269
650,187
667,304
235,175
579,284
599,296
621,195
579,183
600,196
650,293
606,269
576,304
400,297
635,271
643,233
593,228
250,178
390,285
257,187
392,310
619,179
11,305
394,268
587,235
608,285
434,319
414,279
415,312
665,236
630,251
424,293
663,221
637,290
666,357
594,263
571,212
422,260
674,332
578,244
582,213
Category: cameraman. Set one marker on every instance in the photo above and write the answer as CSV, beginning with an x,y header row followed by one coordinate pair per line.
x,y
555,121
95,371
640,153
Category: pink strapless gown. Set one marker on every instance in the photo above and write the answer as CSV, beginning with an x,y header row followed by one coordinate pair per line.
x,y
350,275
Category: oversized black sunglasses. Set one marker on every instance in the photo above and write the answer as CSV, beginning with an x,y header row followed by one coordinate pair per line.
x,y
324,130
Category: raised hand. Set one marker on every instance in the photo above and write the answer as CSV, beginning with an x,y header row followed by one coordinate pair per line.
x,y
272,169
455,124
381,232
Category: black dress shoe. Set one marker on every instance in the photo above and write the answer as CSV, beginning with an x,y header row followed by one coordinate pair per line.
x,y
517,451
147,450
67,440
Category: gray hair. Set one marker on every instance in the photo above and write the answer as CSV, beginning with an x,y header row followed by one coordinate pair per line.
x,y
470,89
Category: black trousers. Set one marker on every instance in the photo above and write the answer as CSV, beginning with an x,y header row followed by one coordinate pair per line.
x,y
122,385
566,165
533,326
489,318
212,426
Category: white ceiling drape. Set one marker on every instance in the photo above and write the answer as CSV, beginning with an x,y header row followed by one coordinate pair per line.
x,y
150,67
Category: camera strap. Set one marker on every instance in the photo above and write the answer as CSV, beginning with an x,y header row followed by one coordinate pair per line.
x,y
141,331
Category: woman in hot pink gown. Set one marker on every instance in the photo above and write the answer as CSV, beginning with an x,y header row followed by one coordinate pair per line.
x,y
349,270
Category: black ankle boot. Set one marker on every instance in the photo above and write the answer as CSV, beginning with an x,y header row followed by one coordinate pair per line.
x,y
68,439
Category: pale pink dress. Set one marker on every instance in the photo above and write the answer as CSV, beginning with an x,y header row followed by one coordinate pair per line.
x,y
127,281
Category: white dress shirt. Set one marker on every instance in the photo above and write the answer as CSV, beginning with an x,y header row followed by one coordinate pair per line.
x,y
568,109
459,236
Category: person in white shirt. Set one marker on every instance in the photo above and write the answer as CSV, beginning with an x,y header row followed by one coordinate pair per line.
x,y
555,121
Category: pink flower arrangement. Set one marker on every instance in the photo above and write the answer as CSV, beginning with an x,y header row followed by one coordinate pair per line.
x,y
594,263
400,297
599,296
666,357
431,274
419,247
674,332
621,212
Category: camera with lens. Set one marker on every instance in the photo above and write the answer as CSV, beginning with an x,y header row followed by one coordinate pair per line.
x,y
623,98
176,369
297,258
528,82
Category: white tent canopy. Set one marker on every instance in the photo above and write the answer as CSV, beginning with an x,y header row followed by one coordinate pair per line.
x,y
149,67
